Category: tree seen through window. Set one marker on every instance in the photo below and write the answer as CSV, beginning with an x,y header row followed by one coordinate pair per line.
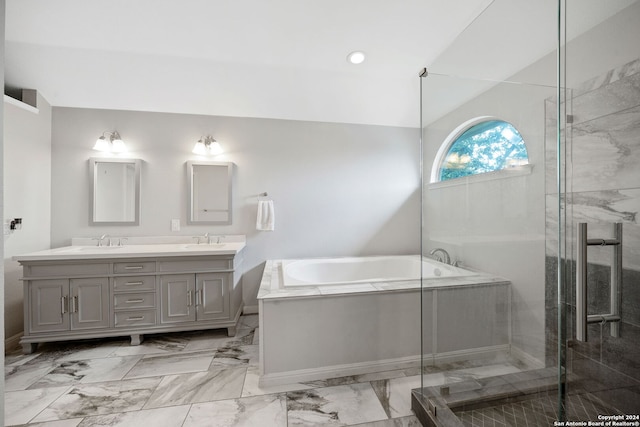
x,y
488,146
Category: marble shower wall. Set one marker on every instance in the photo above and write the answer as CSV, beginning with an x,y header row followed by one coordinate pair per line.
x,y
602,162
602,166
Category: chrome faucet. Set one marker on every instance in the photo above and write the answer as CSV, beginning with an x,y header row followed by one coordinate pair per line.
x,y
101,238
441,255
207,238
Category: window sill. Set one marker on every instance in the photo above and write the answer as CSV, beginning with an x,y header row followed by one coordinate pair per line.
x,y
488,176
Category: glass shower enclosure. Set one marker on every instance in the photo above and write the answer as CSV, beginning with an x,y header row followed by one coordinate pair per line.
x,y
598,128
548,328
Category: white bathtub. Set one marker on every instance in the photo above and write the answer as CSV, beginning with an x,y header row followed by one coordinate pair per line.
x,y
333,271
331,317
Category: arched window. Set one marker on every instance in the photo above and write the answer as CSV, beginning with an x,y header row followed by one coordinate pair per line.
x,y
479,146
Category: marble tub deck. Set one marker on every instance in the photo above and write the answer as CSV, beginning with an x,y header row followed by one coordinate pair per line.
x,y
201,379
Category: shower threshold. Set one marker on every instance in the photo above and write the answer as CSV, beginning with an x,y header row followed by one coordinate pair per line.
x,y
524,398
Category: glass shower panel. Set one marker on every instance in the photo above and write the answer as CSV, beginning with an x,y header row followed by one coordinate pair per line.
x,y
600,134
491,321
483,332
509,328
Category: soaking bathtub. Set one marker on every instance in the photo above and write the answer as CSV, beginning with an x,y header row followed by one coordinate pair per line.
x,y
333,271
323,318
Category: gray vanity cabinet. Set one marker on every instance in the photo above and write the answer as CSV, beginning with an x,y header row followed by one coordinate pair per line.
x,y
69,304
134,297
44,314
73,299
212,296
177,298
89,303
194,297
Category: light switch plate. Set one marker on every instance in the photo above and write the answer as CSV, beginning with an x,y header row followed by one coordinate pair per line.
x,y
175,225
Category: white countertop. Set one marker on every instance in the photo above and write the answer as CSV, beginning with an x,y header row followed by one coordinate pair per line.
x,y
82,252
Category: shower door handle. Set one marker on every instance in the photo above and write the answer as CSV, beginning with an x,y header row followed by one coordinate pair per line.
x,y
613,317
581,283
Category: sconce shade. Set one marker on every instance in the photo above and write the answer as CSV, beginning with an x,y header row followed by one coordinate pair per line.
x,y
101,144
207,147
199,148
215,148
115,144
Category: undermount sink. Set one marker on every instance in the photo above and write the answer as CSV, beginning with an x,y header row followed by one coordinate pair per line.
x,y
100,248
72,249
204,246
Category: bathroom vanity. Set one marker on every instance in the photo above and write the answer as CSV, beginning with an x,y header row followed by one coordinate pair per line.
x,y
79,292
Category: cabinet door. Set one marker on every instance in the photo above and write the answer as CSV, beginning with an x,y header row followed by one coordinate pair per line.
x,y
177,298
48,305
212,296
89,303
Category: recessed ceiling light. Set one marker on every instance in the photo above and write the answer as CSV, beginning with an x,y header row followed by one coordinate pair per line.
x,y
356,57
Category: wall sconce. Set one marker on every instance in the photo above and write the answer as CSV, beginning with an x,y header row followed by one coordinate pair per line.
x,y
208,146
115,144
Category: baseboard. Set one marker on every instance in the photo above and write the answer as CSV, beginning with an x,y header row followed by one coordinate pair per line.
x,y
250,309
336,371
12,342
529,360
468,354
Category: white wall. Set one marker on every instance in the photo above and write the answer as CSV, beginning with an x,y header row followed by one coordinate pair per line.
x,y
27,195
338,189
2,322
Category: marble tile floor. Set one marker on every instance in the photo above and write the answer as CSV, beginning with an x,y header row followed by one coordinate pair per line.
x,y
201,378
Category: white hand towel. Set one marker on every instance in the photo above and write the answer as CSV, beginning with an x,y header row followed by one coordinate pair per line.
x,y
266,220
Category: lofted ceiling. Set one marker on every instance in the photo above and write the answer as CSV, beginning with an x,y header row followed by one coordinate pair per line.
x,y
282,59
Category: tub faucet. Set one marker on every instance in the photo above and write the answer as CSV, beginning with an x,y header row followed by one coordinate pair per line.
x,y
441,255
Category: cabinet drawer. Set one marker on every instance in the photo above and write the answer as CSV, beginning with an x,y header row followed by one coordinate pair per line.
x,y
66,270
134,267
137,300
209,264
135,318
134,283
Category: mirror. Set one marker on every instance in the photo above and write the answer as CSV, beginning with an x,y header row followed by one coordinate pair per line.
x,y
209,192
114,197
